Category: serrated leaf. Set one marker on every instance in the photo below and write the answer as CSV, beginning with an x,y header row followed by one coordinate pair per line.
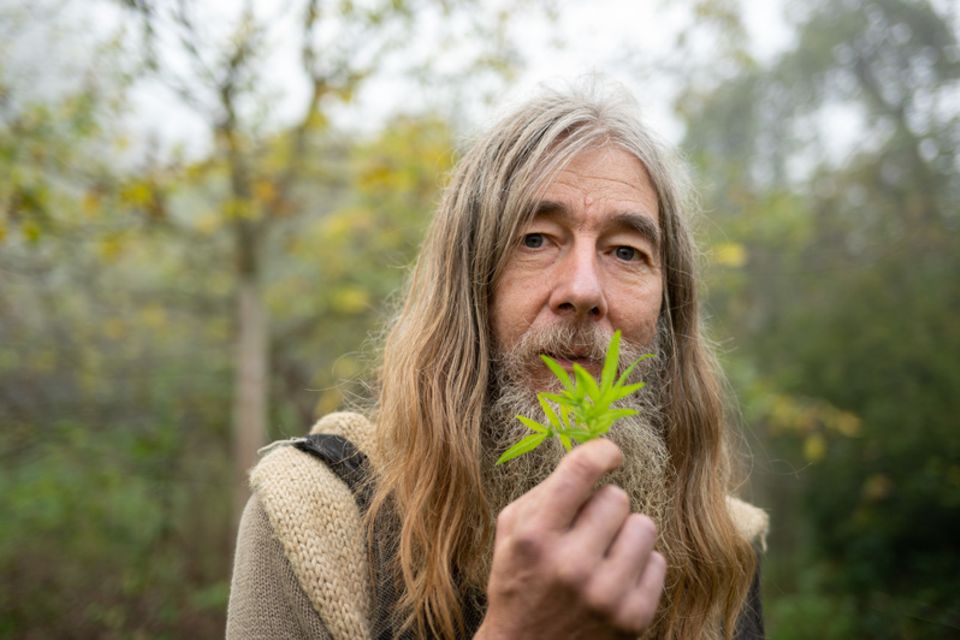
x,y
525,445
604,422
558,399
549,412
626,374
610,362
533,425
580,435
584,406
586,382
558,371
629,389
565,415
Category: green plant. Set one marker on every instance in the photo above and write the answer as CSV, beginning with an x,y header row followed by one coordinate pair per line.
x,y
584,407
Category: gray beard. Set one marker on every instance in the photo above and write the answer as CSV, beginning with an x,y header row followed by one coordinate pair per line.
x,y
644,472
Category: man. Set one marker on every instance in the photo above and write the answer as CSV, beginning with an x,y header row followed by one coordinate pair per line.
x,y
563,224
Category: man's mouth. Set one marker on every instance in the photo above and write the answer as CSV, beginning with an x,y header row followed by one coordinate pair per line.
x,y
567,360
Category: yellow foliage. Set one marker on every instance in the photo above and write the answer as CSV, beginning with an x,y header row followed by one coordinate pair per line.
x,y
31,231
786,414
846,423
91,204
814,447
877,487
208,224
346,367
264,191
110,247
137,194
338,226
328,402
350,300
3,232
802,415
730,254
114,328
238,208
154,317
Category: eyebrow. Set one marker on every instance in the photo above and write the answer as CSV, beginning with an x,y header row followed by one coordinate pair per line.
x,y
633,220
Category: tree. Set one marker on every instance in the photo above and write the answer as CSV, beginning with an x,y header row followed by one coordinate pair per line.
x,y
832,263
257,172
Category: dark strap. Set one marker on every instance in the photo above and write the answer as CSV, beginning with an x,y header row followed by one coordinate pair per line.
x,y
344,459
750,621
351,465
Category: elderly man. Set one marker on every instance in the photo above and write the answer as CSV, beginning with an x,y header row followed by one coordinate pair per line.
x,y
563,224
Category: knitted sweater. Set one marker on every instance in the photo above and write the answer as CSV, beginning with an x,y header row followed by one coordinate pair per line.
x,y
301,567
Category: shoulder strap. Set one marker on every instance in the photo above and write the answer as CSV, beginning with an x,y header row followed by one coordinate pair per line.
x,y
351,465
344,459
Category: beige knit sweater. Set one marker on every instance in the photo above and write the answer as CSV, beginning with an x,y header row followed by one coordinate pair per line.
x,y
300,569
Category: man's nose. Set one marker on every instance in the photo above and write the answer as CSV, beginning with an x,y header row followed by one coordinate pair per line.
x,y
578,290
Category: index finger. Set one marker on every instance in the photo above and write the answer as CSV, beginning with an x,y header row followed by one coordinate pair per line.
x,y
571,483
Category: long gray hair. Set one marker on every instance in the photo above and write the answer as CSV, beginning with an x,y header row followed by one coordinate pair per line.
x,y
436,371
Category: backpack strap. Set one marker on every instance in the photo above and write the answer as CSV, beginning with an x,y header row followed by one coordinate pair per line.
x,y
344,459
318,522
352,466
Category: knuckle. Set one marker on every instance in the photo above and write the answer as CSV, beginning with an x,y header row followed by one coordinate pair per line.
x,y
506,518
526,544
657,564
636,617
573,574
602,599
581,467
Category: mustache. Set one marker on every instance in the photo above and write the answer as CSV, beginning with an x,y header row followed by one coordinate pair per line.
x,y
582,341
570,341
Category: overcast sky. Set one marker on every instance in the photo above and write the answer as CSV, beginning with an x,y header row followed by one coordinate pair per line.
x,y
622,39
587,37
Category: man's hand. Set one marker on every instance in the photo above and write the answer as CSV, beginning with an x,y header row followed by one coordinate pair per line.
x,y
570,562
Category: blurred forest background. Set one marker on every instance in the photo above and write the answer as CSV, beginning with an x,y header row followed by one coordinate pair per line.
x,y
165,311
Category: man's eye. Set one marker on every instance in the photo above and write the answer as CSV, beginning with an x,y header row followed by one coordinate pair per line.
x,y
533,240
627,253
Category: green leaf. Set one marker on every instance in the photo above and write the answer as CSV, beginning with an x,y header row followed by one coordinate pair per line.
x,y
558,399
585,408
550,413
603,423
586,382
533,425
581,435
611,361
558,371
629,389
626,374
525,445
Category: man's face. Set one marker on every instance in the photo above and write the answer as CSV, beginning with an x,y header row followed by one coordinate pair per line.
x,y
589,257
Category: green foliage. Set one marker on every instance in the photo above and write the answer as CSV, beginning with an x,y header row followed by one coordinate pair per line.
x,y
838,284
584,408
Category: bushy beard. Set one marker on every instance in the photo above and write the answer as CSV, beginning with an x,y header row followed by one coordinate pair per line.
x,y
519,374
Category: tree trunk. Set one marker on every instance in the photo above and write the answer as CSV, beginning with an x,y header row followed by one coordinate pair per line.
x,y
250,387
